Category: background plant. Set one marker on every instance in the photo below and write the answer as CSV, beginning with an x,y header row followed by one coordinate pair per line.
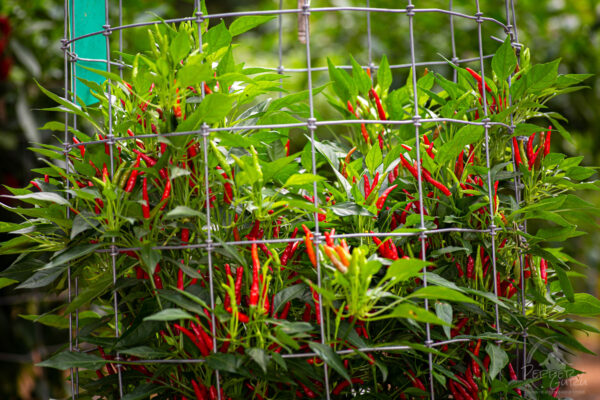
x,y
172,95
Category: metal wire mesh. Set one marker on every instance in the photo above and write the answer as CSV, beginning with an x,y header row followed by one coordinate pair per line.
x,y
312,124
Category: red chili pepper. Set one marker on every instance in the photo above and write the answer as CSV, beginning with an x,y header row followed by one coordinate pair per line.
x,y
199,390
309,393
530,149
367,186
146,201
200,341
555,393
81,148
149,160
409,167
287,148
459,166
479,80
458,327
131,182
544,270
239,274
254,289
463,392
516,151
471,382
547,141
307,312
285,311
365,134
166,194
470,267
427,175
536,154
380,111
416,381
460,270
196,340
344,384
310,250
316,300
452,386
381,200
513,376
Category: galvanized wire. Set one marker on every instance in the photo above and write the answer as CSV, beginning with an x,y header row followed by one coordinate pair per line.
x,y
311,125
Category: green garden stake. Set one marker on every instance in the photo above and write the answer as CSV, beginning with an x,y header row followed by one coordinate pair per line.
x,y
88,17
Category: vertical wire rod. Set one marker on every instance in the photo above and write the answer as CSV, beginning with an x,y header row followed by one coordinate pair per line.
x,y
205,133
410,13
111,144
487,160
453,41
73,68
369,41
280,45
311,129
515,39
65,49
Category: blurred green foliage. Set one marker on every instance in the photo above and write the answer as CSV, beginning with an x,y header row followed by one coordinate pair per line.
x,y
550,28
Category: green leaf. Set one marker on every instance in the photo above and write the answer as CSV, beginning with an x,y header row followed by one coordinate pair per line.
x,y
226,362
82,224
565,283
145,352
217,37
347,209
444,312
359,75
183,212
373,159
141,392
52,270
60,321
584,305
4,282
169,314
411,311
42,196
180,46
498,359
384,75
303,179
441,293
193,74
505,60
343,85
248,22
404,269
287,294
466,135
330,357
215,107
67,359
260,357
150,257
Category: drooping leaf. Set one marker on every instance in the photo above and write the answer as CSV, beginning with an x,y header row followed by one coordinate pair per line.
x,y
68,359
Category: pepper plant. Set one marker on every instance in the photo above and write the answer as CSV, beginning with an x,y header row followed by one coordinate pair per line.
x,y
201,243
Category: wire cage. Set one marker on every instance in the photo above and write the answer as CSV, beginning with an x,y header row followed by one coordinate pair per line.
x,y
470,13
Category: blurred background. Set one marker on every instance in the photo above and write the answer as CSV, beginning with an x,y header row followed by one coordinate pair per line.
x,y
30,51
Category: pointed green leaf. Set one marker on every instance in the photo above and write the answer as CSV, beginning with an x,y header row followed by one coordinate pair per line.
x,y
247,22
498,359
169,314
330,357
67,359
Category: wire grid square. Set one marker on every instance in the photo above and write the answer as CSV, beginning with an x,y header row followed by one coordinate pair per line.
x,y
304,12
